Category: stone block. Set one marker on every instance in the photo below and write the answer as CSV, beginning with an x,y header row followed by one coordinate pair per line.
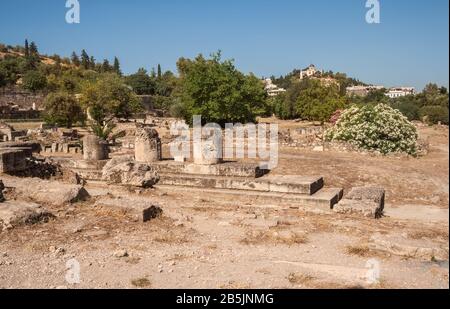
x,y
367,201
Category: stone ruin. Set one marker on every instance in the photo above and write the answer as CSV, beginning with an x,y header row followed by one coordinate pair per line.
x,y
147,168
9,134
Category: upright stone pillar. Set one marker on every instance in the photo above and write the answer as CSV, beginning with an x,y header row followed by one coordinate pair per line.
x,y
94,148
208,146
147,146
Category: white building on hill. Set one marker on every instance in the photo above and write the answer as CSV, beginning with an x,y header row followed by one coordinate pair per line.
x,y
272,89
398,92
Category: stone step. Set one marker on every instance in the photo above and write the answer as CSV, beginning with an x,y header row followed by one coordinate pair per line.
x,y
323,200
231,169
278,184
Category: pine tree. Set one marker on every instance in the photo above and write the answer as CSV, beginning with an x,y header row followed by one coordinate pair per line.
x,y
92,63
106,67
75,59
85,61
116,66
33,50
159,71
27,49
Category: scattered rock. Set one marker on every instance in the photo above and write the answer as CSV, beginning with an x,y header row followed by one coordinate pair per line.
x,y
16,213
411,249
120,254
139,208
125,171
47,192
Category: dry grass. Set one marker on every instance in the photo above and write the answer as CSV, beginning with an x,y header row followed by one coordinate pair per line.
x,y
274,237
300,279
359,250
141,283
429,234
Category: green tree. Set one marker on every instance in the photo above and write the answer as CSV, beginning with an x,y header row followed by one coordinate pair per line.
x,y
63,109
34,81
319,102
75,59
218,92
116,66
106,67
141,82
27,49
3,77
33,50
159,71
107,98
85,60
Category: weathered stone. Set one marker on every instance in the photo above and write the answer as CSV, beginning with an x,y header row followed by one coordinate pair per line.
x,y
147,145
16,213
12,160
368,201
46,192
122,170
139,209
94,148
399,246
207,152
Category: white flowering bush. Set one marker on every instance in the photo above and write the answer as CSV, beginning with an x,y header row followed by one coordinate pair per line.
x,y
376,128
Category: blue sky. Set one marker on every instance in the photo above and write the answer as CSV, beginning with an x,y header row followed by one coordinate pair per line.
x,y
409,47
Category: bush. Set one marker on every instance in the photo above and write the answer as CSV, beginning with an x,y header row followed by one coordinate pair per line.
x,y
34,81
434,114
409,109
378,128
63,109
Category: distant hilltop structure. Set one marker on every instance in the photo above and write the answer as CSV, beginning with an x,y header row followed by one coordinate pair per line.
x,y
309,72
397,92
272,89
394,92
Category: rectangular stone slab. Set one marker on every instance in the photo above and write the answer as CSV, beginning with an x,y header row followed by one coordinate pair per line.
x,y
280,184
324,200
225,169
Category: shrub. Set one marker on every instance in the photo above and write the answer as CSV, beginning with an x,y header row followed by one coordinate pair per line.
x,y
434,114
34,81
377,128
63,109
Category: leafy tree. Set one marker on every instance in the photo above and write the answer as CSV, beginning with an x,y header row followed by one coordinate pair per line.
x,y
141,82
63,109
34,81
218,92
434,114
106,98
319,102
165,85
75,59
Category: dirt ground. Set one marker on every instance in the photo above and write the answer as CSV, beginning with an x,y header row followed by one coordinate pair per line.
x,y
206,239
